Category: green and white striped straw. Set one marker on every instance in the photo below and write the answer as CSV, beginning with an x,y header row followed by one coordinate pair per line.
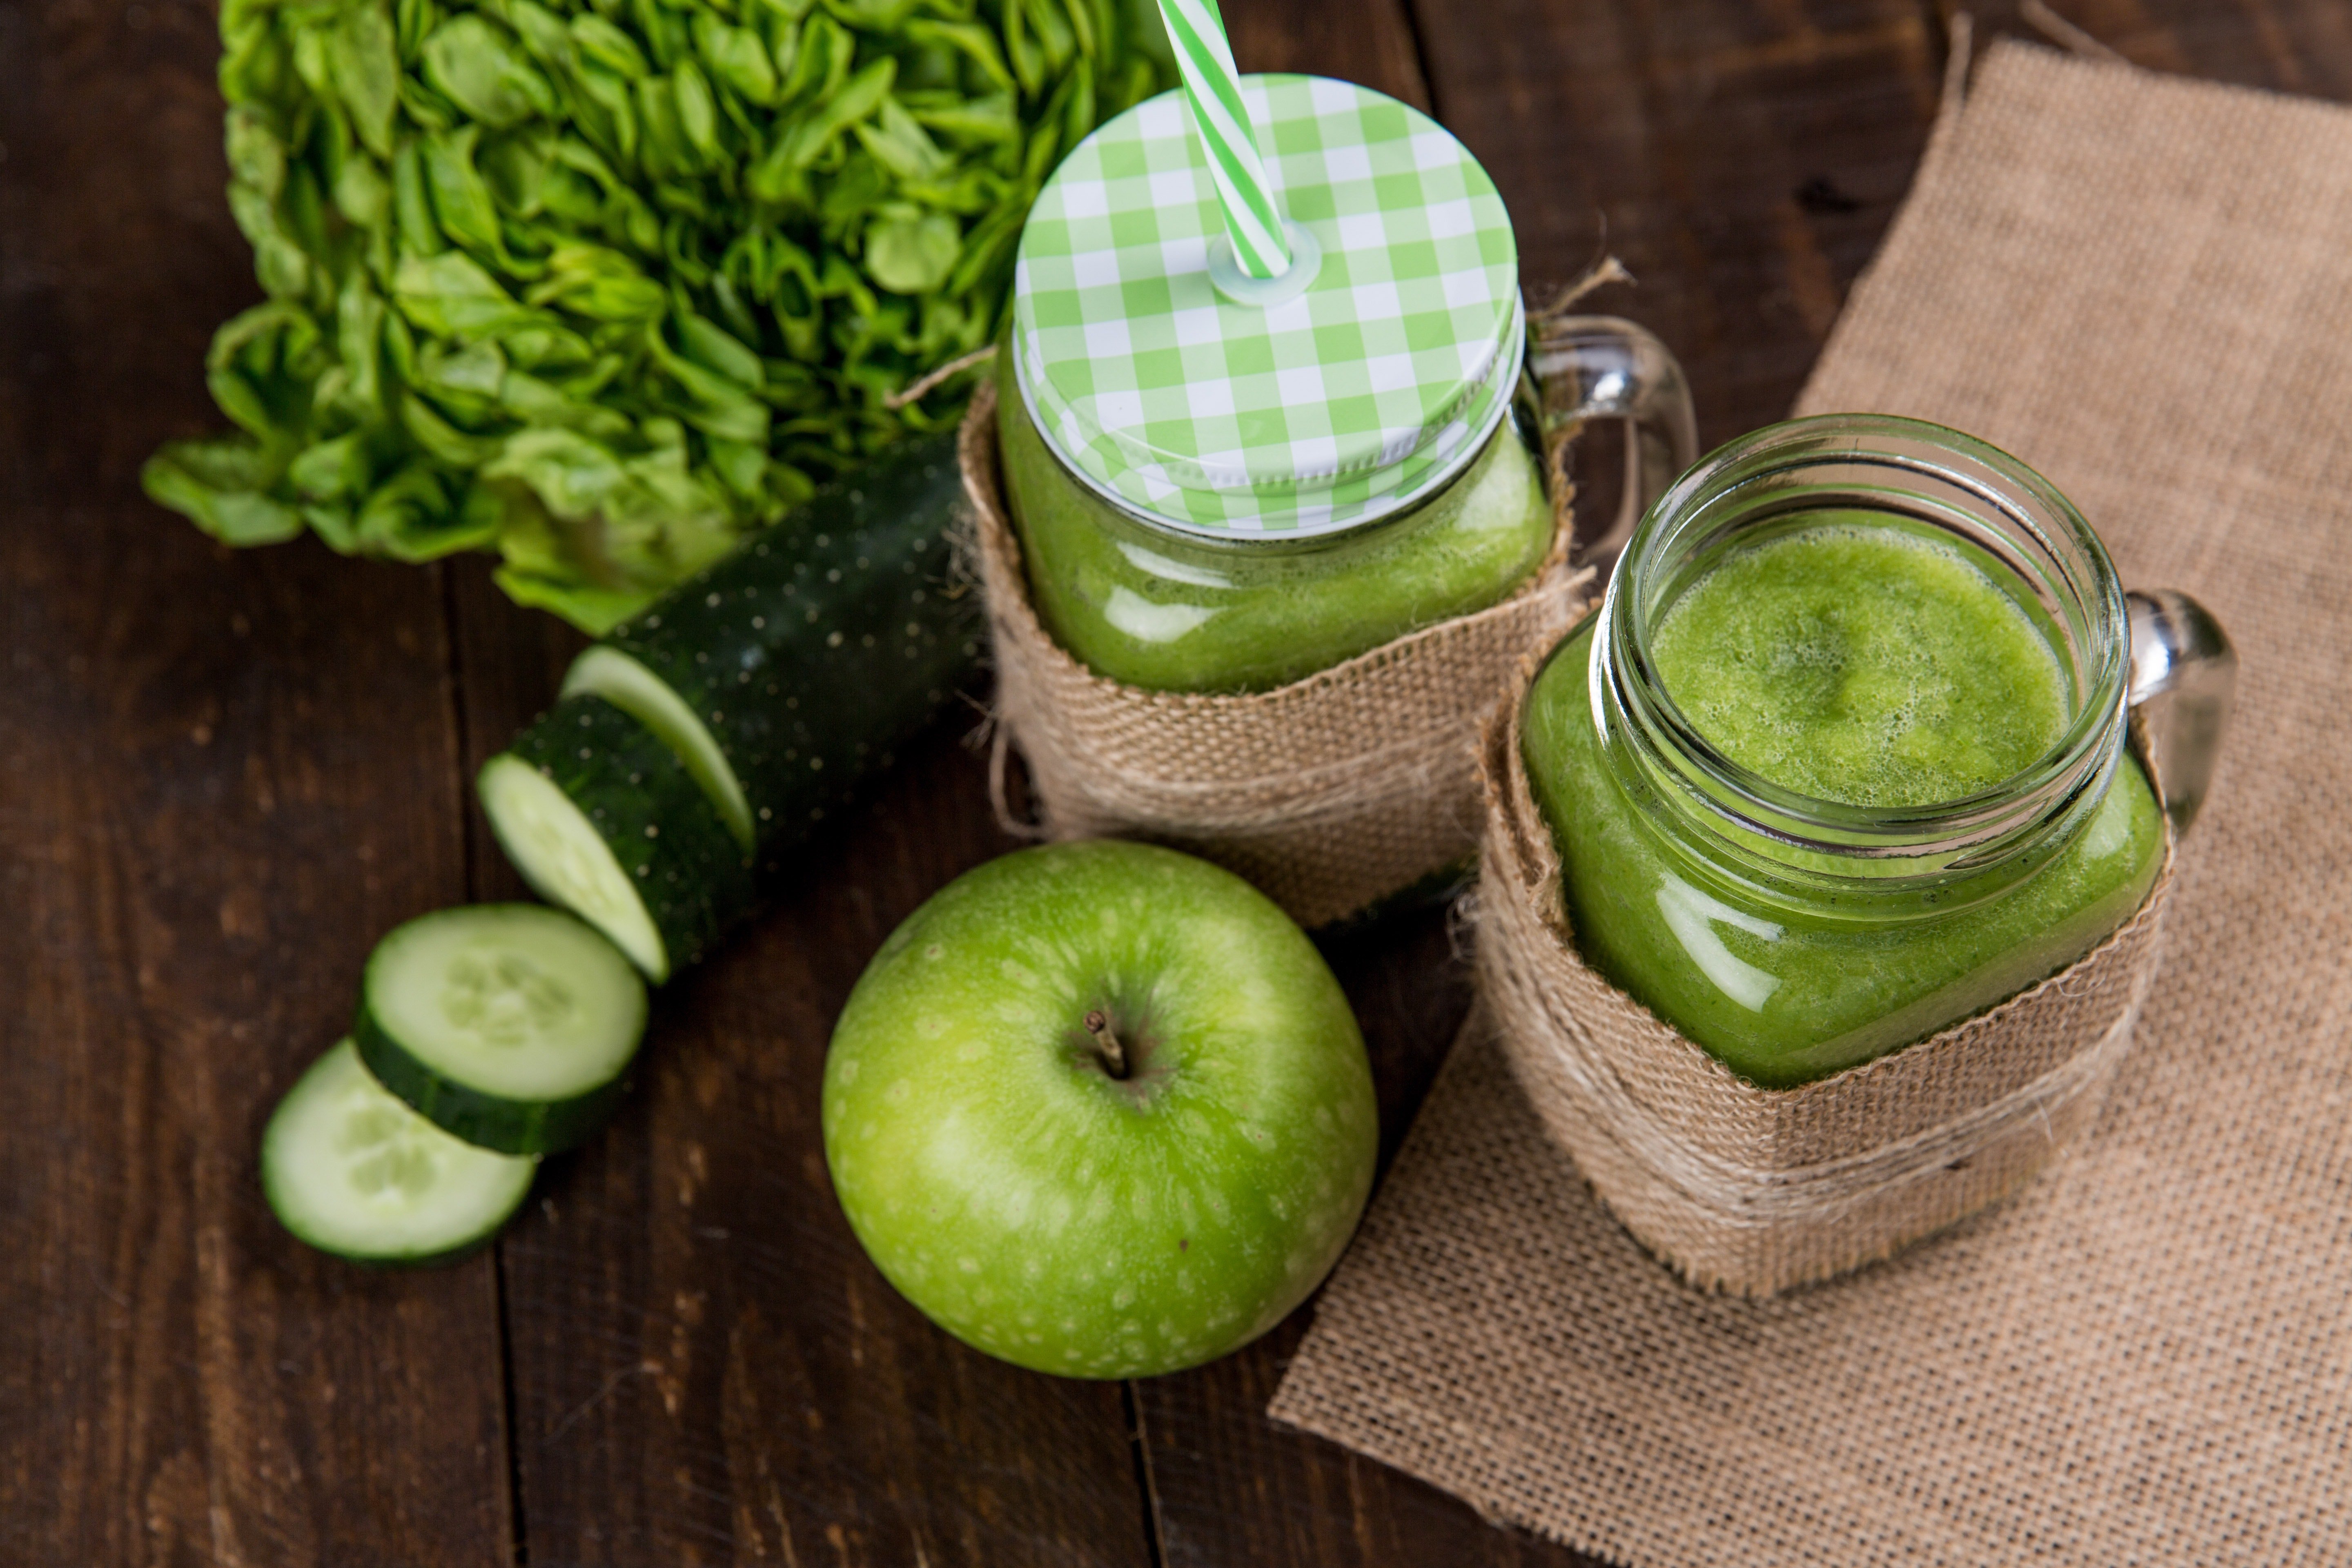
x,y
1213,87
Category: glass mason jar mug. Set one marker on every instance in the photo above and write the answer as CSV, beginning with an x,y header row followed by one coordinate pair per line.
x,y
1141,599
1843,758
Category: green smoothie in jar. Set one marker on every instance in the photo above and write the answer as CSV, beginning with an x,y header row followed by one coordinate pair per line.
x,y
1173,613
1224,483
1826,777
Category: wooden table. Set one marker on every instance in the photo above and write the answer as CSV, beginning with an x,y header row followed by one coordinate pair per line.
x,y
222,776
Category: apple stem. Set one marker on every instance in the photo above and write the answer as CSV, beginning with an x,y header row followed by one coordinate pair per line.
x,y
1113,1055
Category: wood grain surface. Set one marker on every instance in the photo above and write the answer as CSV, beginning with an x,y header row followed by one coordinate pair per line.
x,y
222,776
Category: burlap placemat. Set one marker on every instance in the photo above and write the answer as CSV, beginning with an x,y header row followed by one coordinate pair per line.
x,y
2143,286
1329,793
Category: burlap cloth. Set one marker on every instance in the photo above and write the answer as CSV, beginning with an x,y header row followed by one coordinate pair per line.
x,y
1329,793
2143,286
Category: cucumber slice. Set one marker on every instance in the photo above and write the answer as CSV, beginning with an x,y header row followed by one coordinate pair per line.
x,y
602,818
786,673
508,1024
619,679
351,1170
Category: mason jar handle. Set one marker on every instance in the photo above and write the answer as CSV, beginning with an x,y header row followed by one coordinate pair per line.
x,y
1604,367
2184,674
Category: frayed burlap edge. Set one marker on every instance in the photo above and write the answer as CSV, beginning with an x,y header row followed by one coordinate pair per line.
x,y
1755,1190
1329,793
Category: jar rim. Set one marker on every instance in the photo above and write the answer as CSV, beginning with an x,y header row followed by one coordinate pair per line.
x,y
1928,473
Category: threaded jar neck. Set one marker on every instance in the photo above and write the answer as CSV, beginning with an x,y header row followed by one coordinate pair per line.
x,y
1806,853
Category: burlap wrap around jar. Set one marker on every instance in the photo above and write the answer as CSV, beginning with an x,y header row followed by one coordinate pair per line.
x,y
1755,1190
1329,793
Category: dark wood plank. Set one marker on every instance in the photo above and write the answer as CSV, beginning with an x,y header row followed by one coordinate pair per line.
x,y
222,778
2289,46
705,1367
1231,1487
1744,165
1742,159
1228,1486
1745,160
1372,44
797,1404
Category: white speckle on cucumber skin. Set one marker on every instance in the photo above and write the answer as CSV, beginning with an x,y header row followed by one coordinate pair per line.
x,y
832,639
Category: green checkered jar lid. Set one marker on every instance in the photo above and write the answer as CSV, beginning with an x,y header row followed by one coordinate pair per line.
x,y
1227,415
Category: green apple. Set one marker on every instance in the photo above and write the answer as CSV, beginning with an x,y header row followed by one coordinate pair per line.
x,y
1100,1108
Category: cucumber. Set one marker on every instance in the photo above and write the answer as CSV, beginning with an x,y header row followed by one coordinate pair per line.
x,y
602,819
350,1169
509,1026
787,672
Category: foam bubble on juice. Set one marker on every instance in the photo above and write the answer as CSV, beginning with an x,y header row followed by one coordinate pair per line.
x,y
1852,661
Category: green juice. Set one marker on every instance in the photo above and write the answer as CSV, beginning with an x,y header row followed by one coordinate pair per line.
x,y
1855,663
1170,612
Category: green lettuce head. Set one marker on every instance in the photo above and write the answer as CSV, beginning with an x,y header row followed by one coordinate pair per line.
x,y
601,285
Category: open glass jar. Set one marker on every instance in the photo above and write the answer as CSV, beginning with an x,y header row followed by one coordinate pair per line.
x,y
1793,900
